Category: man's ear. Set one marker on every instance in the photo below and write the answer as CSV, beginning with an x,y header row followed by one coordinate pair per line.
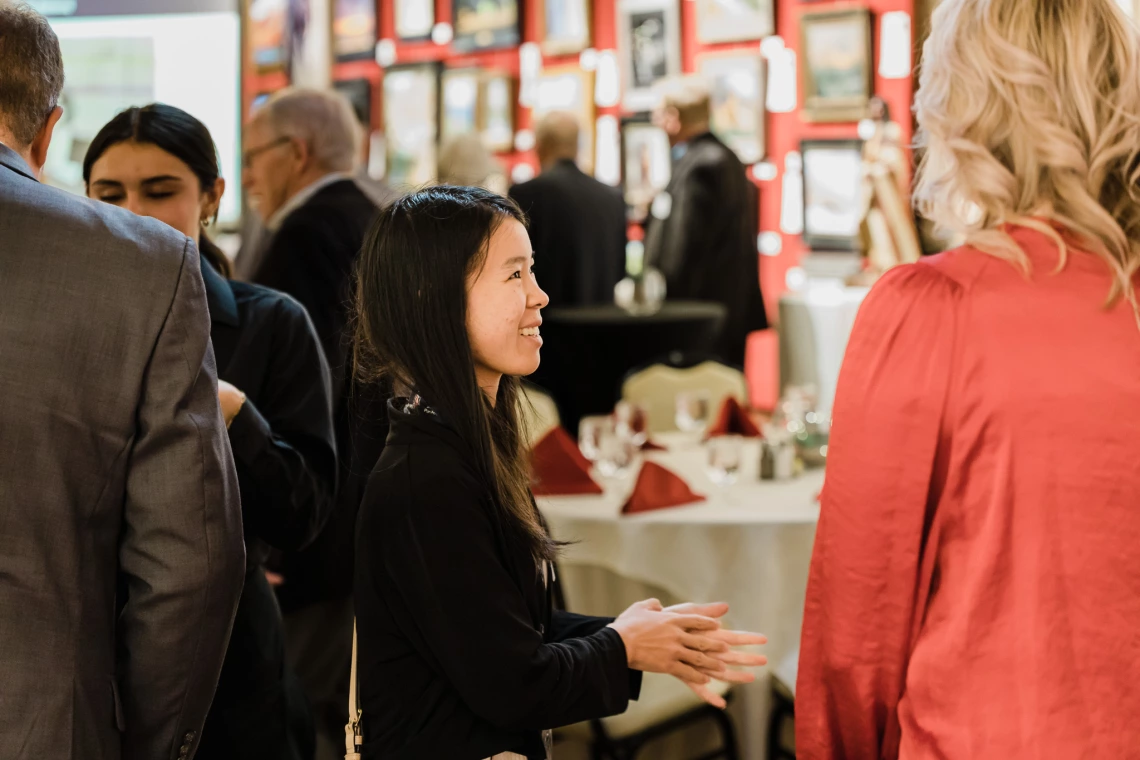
x,y
37,153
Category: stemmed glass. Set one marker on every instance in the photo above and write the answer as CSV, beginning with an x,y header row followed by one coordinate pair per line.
x,y
693,409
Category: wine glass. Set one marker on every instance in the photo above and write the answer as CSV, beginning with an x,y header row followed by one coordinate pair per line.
x,y
590,431
724,459
616,451
692,411
633,422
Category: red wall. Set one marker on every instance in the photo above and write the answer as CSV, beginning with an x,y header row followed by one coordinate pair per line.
x,y
785,131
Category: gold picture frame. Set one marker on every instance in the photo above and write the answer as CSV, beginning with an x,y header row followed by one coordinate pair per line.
x,y
565,26
837,67
569,88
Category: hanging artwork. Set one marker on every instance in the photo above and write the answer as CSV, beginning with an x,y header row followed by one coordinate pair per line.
x,y
354,29
498,111
566,26
359,94
568,88
267,22
649,38
485,24
734,20
460,103
833,194
737,85
411,116
836,70
414,19
646,163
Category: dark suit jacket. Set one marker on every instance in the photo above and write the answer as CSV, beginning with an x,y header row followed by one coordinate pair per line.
x,y
461,655
121,555
312,257
285,453
706,245
577,227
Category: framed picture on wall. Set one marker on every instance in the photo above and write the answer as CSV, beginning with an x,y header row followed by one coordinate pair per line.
x,y
460,92
566,26
485,24
836,71
734,20
411,119
649,41
414,19
568,88
354,29
498,111
267,24
737,84
833,194
647,163
359,94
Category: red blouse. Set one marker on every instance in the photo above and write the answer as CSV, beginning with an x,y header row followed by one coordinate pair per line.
x,y
975,585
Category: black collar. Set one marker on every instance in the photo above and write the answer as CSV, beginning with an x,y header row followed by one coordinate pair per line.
x,y
219,297
13,161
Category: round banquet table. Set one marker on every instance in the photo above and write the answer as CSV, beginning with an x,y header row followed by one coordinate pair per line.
x,y
588,350
748,544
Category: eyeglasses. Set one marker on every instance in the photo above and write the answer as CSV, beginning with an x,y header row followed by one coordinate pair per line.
x,y
252,153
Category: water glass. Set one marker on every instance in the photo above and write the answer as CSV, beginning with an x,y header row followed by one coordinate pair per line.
x,y
724,459
633,422
590,432
692,411
616,451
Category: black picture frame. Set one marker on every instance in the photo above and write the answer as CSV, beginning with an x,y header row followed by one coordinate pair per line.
x,y
476,28
832,186
359,94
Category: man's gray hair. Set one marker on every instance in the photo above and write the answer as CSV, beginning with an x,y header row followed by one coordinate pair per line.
x,y
31,72
322,120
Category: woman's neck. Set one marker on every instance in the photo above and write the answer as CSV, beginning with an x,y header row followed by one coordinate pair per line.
x,y
488,381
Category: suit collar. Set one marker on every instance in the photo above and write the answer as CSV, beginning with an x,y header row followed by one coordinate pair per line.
x,y
13,161
219,297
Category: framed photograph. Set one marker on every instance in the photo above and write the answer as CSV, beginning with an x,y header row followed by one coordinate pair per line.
x,y
267,24
649,41
738,85
359,93
497,120
354,29
647,163
836,70
568,88
485,24
411,124
734,20
460,90
833,194
566,26
414,19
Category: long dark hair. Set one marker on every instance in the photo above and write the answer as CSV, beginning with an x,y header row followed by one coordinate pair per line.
x,y
411,327
179,134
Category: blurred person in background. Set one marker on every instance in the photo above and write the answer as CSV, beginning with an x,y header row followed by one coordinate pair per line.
x,y
465,161
460,652
121,555
702,229
972,594
577,224
300,152
160,161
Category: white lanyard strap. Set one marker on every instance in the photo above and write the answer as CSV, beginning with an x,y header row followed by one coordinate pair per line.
x,y
353,737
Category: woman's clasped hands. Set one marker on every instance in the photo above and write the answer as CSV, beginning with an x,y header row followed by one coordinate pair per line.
x,y
688,642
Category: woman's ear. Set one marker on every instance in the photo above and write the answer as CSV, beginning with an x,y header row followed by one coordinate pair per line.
x,y
212,199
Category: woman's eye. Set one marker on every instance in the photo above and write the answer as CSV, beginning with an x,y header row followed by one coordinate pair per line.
x,y
516,276
159,196
110,198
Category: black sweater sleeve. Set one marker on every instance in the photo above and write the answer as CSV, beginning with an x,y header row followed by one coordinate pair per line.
x,y
471,615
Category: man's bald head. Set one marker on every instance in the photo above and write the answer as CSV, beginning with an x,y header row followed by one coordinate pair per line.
x,y
556,138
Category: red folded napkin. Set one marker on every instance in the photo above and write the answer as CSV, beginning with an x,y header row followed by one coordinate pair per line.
x,y
733,420
651,446
557,467
658,488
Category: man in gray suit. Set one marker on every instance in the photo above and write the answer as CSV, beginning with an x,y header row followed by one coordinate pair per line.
x,y
121,554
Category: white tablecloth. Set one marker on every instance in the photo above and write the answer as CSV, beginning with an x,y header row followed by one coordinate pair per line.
x,y
749,545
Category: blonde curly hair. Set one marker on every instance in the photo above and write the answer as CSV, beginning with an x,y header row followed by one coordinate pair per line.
x,y
1029,112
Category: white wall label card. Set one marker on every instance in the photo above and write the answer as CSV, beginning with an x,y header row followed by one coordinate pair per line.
x,y
607,82
895,45
770,243
607,162
530,69
765,171
524,140
385,53
792,195
442,33
523,172
783,86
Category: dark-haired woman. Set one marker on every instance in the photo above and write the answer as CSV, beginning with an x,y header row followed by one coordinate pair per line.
x,y
460,654
274,390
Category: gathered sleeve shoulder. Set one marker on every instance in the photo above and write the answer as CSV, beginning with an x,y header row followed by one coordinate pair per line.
x,y
866,589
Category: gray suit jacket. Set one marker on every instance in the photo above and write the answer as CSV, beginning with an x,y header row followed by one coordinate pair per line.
x,y
121,554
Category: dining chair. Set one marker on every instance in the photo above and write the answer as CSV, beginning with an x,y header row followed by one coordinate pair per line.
x,y
539,411
656,386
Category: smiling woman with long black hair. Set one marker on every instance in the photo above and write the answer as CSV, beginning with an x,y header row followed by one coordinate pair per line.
x,y
461,656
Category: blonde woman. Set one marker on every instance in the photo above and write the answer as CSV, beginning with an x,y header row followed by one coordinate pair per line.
x,y
974,591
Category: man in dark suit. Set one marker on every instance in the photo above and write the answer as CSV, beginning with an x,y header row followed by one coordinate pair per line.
x,y
121,554
577,224
300,152
702,229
